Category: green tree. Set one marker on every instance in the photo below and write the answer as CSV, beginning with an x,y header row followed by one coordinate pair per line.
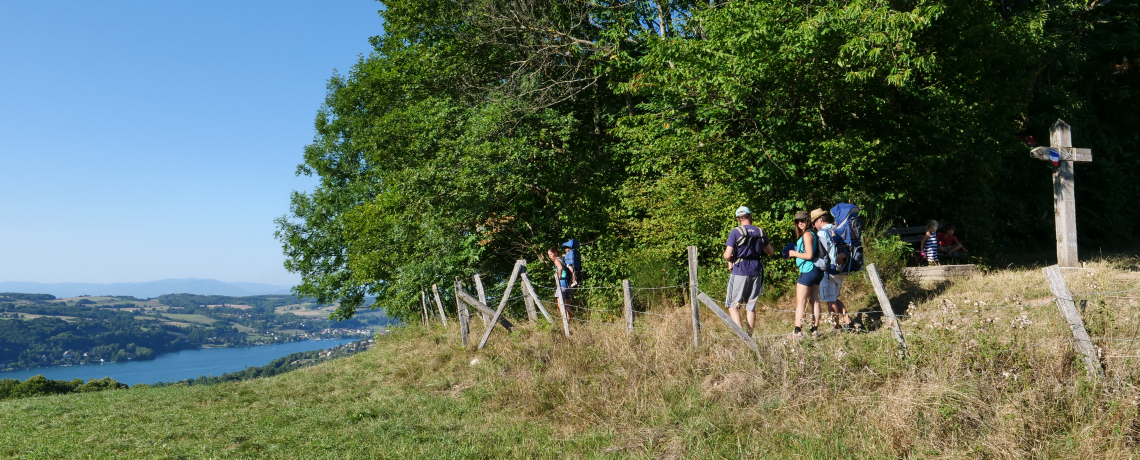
x,y
480,131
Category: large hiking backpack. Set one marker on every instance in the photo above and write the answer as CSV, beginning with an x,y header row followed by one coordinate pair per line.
x,y
574,257
847,237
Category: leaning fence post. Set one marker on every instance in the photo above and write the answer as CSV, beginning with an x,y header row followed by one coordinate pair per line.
x,y
464,316
530,313
438,302
628,297
693,290
529,289
482,298
744,337
1081,340
423,304
502,304
885,304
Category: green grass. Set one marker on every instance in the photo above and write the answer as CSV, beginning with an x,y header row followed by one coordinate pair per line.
x,y
342,409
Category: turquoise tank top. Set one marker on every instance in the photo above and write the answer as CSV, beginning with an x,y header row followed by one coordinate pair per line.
x,y
806,266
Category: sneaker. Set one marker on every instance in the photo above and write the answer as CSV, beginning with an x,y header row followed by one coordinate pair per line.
x,y
796,335
814,333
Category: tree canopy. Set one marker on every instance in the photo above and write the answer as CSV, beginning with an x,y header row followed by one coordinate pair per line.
x,y
481,131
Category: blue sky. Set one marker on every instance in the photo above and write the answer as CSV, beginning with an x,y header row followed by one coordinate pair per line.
x,y
144,140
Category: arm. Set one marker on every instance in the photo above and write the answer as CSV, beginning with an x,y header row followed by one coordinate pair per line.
x,y
809,248
728,252
768,249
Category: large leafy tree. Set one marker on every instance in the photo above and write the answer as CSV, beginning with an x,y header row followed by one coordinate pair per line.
x,y
481,131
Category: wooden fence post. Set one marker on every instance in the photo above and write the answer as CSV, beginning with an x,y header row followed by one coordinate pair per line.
x,y
530,314
423,304
693,292
502,304
562,310
885,305
748,340
483,308
439,303
529,288
464,316
1081,341
627,294
482,298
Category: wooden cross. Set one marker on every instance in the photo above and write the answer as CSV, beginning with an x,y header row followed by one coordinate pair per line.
x,y
1061,151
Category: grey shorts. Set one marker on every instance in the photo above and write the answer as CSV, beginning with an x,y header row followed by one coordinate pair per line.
x,y
830,286
744,290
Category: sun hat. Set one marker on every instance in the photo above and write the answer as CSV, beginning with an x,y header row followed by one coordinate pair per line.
x,y
743,211
802,215
817,213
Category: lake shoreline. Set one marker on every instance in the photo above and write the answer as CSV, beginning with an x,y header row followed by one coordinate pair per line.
x,y
201,347
180,365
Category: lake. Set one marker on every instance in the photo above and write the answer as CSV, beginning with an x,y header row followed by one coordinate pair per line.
x,y
181,365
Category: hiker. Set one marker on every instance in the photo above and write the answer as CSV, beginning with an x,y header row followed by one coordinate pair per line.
x,y
746,243
832,281
807,286
948,243
573,260
561,278
929,243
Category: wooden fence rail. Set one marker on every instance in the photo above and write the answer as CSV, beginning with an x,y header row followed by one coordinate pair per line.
x,y
1081,340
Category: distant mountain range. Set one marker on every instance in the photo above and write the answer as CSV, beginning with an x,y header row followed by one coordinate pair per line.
x,y
146,289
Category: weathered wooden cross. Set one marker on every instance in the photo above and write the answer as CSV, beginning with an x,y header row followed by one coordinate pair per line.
x,y
1062,153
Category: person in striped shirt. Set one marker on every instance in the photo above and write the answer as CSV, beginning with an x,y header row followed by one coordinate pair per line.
x,y
929,243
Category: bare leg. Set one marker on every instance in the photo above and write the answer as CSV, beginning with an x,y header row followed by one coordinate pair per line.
x,y
801,303
815,307
734,313
751,320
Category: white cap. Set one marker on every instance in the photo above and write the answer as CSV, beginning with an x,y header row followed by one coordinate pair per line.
x,y
743,211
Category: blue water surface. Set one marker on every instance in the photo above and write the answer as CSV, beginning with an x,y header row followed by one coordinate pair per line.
x,y
182,365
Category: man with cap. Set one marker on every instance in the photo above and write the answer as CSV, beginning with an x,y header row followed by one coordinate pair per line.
x,y
831,284
746,243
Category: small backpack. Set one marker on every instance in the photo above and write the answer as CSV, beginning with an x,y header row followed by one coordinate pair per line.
x,y
847,237
745,239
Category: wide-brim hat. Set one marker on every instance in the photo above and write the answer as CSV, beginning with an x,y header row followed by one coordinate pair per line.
x,y
817,213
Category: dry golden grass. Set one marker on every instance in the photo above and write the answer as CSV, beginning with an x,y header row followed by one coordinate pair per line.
x,y
991,373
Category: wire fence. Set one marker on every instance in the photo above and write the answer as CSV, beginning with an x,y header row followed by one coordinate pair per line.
x,y
975,311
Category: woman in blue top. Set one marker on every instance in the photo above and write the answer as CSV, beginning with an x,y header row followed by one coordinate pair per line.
x,y
807,287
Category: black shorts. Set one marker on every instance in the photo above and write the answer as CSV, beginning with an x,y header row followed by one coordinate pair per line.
x,y
812,278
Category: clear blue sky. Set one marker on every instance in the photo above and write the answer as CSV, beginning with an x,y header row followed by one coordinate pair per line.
x,y
144,140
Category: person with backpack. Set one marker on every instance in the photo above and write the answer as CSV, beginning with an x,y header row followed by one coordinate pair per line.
x,y
561,279
746,243
832,281
807,255
573,260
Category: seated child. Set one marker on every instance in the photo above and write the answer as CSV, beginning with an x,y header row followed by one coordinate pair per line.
x,y
948,243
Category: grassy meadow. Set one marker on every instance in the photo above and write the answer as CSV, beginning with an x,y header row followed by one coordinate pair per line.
x,y
991,374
